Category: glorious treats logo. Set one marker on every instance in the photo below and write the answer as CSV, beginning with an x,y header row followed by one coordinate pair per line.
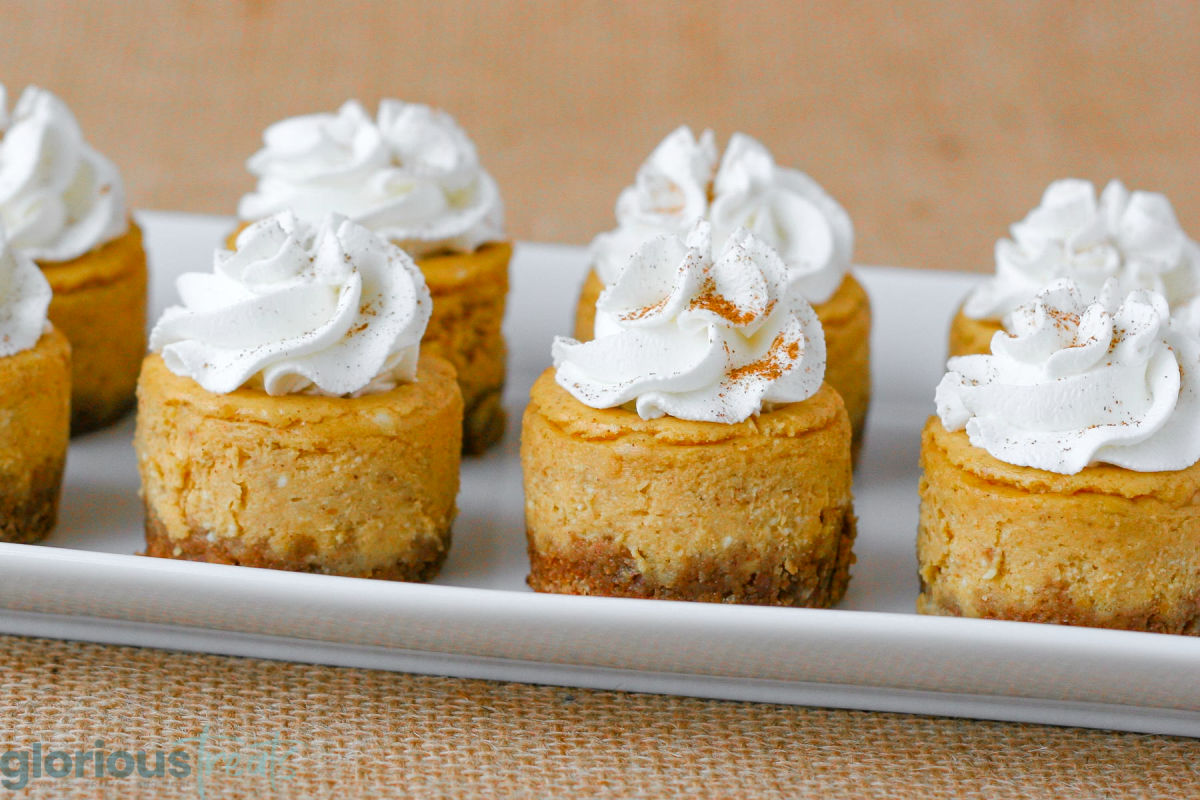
x,y
205,759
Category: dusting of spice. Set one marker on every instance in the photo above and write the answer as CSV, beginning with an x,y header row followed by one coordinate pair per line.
x,y
783,354
1078,382
730,336
709,299
645,311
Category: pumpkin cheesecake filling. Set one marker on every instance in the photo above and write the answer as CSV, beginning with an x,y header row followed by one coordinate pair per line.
x,y
100,304
346,486
970,336
35,387
754,512
1107,547
469,291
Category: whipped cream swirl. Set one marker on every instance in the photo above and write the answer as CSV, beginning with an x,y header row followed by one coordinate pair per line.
x,y
669,194
698,337
24,298
334,310
682,182
1077,383
788,210
1133,238
411,175
59,198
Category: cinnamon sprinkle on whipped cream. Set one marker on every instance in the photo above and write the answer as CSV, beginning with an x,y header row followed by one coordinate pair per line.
x,y
1078,382
697,334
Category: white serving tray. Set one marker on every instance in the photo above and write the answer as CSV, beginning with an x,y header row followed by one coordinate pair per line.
x,y
479,619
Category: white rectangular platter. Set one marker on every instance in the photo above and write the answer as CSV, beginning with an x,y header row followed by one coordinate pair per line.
x,y
479,619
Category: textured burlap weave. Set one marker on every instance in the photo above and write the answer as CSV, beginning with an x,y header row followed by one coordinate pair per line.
x,y
345,733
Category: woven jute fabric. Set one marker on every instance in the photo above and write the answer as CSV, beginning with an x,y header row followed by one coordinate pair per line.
x,y
252,728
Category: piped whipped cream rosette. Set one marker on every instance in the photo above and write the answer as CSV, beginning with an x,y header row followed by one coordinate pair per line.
x,y
24,298
330,310
668,196
682,182
1130,237
788,210
698,333
59,198
1077,382
411,175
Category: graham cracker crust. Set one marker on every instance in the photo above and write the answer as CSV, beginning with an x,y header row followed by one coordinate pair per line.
x,y
423,563
483,422
601,567
28,516
1056,608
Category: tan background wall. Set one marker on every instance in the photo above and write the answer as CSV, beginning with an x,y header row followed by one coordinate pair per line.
x,y
936,124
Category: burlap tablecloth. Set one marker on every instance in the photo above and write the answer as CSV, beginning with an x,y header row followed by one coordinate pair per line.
x,y
252,728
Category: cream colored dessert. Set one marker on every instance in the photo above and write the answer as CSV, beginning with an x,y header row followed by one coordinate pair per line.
x,y
1060,477
413,177
1130,237
682,182
691,450
286,419
35,394
64,206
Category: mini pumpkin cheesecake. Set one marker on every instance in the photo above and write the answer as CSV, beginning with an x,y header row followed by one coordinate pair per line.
x,y
286,419
412,176
682,182
68,213
35,395
100,304
1133,238
1060,478
691,450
